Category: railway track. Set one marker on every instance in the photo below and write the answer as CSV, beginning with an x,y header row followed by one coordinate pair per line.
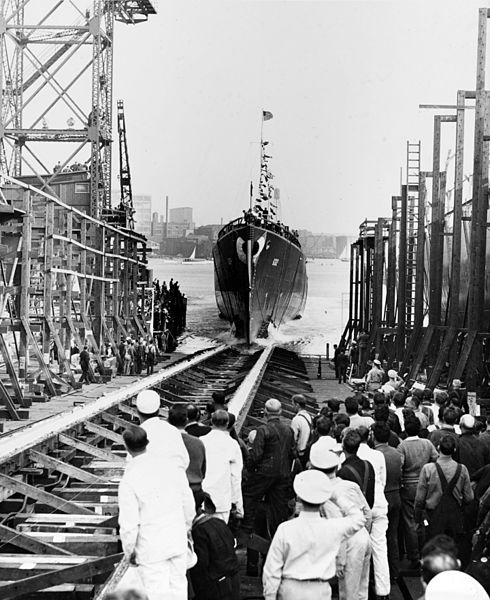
x,y
59,476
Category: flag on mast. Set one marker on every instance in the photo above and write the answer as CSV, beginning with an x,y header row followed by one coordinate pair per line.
x,y
266,115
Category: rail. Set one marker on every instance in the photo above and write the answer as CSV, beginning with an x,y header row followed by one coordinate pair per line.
x,y
71,534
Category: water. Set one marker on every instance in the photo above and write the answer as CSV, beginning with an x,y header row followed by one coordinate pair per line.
x,y
327,306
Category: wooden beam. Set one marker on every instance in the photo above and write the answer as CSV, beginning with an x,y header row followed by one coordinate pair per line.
x,y
104,432
45,497
7,402
86,570
29,543
39,356
49,462
89,449
61,350
19,396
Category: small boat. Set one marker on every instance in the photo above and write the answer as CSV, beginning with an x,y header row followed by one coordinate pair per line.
x,y
259,266
193,260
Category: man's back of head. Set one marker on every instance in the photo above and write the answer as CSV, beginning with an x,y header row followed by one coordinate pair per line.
x,y
447,445
351,406
219,419
299,400
436,562
351,442
273,407
177,416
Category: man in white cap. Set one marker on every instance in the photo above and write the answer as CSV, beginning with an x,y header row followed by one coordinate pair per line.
x,y
156,509
375,376
302,555
165,440
354,557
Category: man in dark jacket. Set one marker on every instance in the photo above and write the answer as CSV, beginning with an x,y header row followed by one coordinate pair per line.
x,y
355,469
269,469
85,365
215,576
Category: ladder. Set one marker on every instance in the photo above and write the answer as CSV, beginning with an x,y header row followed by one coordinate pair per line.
x,y
412,180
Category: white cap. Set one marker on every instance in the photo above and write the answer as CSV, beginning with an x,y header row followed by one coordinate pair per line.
x,y
148,402
377,362
467,421
454,585
312,486
392,373
321,455
273,406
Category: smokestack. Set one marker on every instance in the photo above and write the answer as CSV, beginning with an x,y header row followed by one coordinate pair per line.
x,y
166,217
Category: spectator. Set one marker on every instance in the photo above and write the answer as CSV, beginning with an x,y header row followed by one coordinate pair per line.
x,y
194,427
443,489
223,468
215,576
301,425
156,509
379,523
375,376
415,453
447,428
355,419
196,470
381,434
355,553
165,441
302,555
269,470
355,469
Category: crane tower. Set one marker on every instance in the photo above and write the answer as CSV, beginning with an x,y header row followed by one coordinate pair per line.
x,y
56,89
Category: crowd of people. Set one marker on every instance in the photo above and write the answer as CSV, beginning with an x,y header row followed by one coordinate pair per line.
x,y
348,496
169,313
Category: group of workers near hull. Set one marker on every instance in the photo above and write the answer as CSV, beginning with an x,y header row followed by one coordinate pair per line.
x,y
327,491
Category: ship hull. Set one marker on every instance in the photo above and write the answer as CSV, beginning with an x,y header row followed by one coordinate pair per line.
x,y
260,277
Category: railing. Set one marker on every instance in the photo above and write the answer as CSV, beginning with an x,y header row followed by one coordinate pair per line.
x,y
249,219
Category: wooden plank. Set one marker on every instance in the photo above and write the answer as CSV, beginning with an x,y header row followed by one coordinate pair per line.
x,y
61,350
117,421
26,542
442,357
38,494
11,371
102,431
57,465
422,351
7,401
39,356
89,449
86,570
464,355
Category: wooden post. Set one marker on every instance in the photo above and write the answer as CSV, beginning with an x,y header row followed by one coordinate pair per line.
x,y
402,274
454,302
480,187
436,236
25,282
391,270
420,258
378,272
48,278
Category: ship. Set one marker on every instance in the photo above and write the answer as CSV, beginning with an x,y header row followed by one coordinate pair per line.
x,y
259,267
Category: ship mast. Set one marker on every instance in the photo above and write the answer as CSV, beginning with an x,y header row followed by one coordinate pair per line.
x,y
265,207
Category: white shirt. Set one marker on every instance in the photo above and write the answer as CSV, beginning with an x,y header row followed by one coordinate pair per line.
x,y
224,463
301,425
305,548
156,508
165,442
356,421
377,459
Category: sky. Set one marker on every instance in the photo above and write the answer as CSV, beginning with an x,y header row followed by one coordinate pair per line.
x,y
343,80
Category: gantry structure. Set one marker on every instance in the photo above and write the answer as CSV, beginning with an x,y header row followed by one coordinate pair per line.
x,y
56,89
73,271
